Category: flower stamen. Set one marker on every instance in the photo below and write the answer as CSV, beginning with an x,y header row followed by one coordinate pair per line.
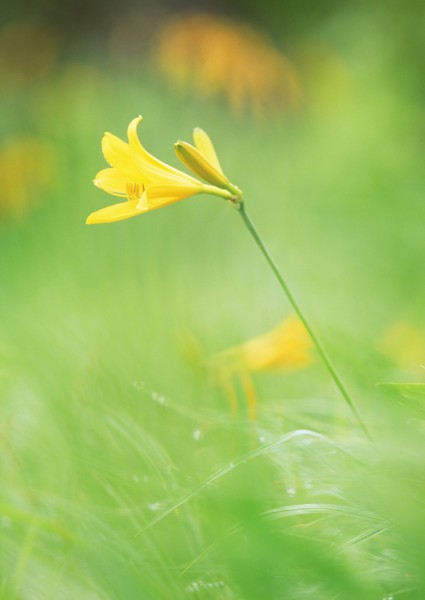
x,y
133,191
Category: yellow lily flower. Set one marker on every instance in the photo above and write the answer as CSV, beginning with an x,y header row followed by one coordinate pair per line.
x,y
286,347
404,344
145,182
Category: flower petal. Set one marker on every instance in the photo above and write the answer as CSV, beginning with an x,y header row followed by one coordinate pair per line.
x,y
118,154
204,144
153,167
154,192
115,212
155,203
112,181
157,196
134,166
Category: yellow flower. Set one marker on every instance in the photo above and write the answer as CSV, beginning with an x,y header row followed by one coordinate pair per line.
x,y
230,61
287,347
202,160
145,182
27,172
404,344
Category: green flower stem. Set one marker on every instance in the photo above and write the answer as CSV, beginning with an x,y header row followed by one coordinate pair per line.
x,y
251,228
216,191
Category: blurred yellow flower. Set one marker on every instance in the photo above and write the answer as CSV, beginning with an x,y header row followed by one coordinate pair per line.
x,y
143,180
26,172
404,344
287,347
216,57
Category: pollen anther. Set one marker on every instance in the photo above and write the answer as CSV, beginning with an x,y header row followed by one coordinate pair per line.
x,y
133,191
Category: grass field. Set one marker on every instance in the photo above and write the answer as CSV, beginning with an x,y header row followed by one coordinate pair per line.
x,y
125,475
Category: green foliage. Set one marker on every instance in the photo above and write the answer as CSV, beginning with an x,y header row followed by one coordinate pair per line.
x,y
124,473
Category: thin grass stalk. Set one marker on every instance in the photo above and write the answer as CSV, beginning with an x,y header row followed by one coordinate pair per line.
x,y
320,349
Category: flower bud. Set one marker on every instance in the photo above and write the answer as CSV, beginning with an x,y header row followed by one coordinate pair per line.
x,y
200,164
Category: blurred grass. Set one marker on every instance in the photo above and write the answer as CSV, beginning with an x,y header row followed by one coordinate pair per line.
x,y
124,473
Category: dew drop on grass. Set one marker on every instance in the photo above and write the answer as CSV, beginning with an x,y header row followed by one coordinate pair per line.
x,y
197,435
197,586
193,587
291,491
139,386
155,506
159,398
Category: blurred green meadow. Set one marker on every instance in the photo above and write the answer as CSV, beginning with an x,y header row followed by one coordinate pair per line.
x,y
125,474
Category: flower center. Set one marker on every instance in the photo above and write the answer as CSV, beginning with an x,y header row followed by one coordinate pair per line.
x,y
134,191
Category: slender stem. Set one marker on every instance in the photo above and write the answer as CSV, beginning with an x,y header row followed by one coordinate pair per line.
x,y
327,362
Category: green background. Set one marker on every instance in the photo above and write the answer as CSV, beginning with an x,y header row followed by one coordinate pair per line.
x,y
124,473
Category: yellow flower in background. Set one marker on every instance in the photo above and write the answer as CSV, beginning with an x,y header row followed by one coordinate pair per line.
x,y
145,182
287,347
27,171
404,344
219,58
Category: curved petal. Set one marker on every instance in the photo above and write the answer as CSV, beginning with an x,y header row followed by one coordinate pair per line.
x,y
204,144
124,159
153,167
112,181
136,146
115,212
118,154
